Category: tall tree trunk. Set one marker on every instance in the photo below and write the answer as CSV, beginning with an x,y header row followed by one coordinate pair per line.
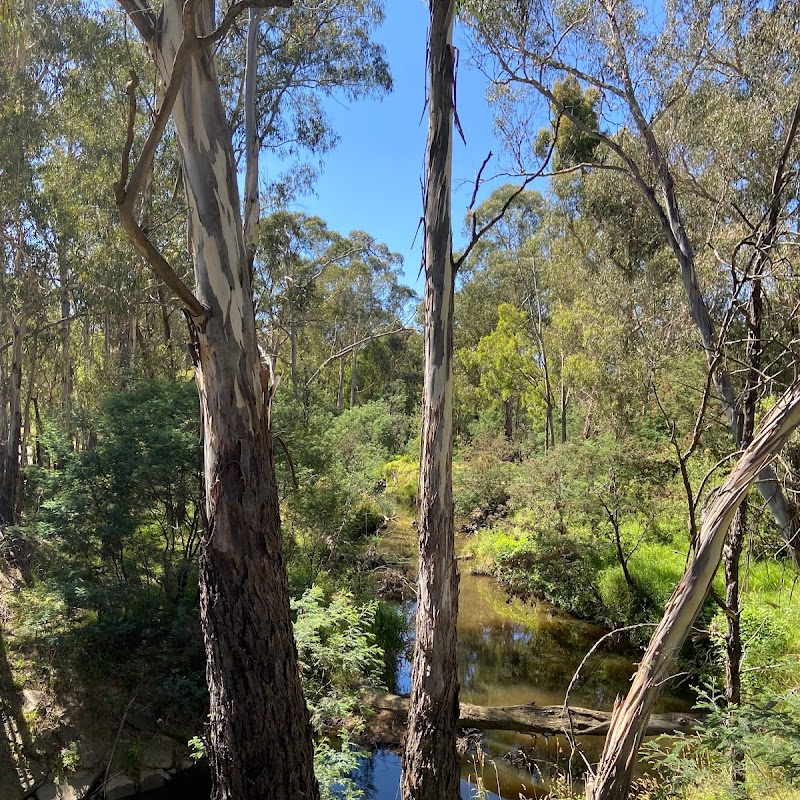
x,y
549,431
293,348
586,432
508,418
252,206
354,378
669,217
66,359
37,450
9,474
430,764
733,641
615,771
733,549
260,734
340,386
564,400
33,363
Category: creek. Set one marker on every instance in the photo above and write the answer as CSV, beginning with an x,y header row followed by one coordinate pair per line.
x,y
509,653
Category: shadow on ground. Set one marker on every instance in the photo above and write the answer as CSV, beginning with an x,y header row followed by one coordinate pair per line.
x,y
15,734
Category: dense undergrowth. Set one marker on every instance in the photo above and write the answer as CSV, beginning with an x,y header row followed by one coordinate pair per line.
x,y
104,585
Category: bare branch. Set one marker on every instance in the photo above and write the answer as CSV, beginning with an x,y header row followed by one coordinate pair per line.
x,y
126,191
355,346
234,11
478,181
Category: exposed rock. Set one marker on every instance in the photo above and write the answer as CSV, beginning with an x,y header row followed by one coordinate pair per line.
x,y
141,719
33,700
92,752
67,733
73,787
118,787
21,779
150,779
158,753
114,703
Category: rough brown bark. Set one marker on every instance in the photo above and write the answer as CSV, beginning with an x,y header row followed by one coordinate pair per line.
x,y
614,773
9,468
260,735
430,769
733,640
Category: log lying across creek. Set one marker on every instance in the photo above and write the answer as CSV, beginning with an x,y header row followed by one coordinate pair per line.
x,y
392,710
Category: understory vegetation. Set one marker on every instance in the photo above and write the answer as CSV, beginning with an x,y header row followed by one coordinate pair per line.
x,y
621,325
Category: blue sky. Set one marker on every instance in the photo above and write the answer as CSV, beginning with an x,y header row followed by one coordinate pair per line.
x,y
371,181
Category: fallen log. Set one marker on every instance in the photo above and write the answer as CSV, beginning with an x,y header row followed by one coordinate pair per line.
x,y
545,720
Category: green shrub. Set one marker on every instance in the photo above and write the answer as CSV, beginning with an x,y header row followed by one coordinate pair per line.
x,y
554,567
337,650
401,476
621,602
363,522
766,733
765,642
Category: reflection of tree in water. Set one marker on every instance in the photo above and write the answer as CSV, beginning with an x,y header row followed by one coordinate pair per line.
x,y
545,658
511,663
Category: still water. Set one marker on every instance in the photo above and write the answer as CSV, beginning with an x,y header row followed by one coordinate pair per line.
x,y
509,653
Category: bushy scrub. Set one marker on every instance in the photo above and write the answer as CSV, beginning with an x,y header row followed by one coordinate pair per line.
x,y
363,438
338,653
550,566
767,665
767,733
621,602
337,501
483,474
125,516
401,476
337,649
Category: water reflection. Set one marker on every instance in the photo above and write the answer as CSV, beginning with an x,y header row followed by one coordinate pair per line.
x,y
510,653
380,779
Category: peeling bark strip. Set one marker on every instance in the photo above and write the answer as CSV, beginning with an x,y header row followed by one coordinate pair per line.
x,y
630,715
260,734
545,720
430,763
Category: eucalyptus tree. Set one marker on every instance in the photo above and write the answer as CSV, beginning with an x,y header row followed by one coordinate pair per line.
x,y
430,765
681,112
289,263
316,50
40,53
362,300
511,260
645,81
260,734
326,295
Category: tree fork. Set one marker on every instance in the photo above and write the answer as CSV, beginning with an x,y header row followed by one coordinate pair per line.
x,y
260,734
